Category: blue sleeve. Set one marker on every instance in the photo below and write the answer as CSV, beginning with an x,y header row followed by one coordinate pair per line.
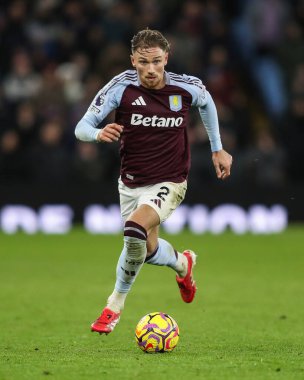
x,y
106,100
204,102
209,117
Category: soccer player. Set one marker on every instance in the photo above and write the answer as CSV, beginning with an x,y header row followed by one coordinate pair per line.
x,y
151,117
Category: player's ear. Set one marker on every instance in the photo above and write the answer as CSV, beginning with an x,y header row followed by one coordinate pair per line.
x,y
166,58
132,60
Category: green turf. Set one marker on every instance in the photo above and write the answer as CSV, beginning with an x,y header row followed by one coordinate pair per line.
x,y
247,321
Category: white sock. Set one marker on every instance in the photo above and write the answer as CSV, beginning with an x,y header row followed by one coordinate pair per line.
x,y
166,255
116,301
129,264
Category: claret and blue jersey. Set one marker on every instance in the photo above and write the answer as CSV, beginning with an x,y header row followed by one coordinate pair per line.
x,y
154,146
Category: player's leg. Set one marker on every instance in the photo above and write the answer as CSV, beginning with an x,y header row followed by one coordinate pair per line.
x,y
181,263
129,264
134,253
164,198
161,252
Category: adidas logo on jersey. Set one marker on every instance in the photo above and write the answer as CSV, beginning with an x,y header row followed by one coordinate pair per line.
x,y
139,102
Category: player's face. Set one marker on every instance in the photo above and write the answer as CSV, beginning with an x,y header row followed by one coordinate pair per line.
x,y
150,65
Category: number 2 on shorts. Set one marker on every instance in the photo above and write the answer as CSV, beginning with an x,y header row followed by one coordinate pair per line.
x,y
163,193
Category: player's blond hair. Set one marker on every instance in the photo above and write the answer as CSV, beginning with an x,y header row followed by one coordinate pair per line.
x,y
148,38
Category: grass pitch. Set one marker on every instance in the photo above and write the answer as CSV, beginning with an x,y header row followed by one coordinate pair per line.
x,y
247,321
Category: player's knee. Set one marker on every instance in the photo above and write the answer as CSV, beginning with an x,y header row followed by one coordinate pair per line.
x,y
135,237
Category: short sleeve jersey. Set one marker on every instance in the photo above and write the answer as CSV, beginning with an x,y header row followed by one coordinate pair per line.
x,y
154,145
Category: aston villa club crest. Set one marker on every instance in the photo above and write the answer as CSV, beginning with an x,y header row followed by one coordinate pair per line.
x,y
175,102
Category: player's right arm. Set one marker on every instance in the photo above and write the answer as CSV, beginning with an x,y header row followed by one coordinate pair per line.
x,y
110,133
87,128
106,100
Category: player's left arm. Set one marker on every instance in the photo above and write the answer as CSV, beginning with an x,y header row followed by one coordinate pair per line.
x,y
222,160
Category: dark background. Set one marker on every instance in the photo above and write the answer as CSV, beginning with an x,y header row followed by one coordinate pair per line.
x,y
55,56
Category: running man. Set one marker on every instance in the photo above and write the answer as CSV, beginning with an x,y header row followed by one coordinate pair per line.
x,y
151,117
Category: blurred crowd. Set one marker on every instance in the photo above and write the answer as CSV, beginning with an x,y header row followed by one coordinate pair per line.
x,y
55,55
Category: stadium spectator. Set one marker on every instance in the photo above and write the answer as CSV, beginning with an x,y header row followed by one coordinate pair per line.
x,y
293,134
87,164
12,168
257,33
50,161
290,52
264,162
27,124
13,23
21,82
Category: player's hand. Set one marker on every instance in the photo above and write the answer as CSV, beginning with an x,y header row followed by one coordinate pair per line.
x,y
110,133
222,162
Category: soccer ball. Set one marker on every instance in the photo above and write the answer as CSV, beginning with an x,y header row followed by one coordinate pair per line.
x,y
157,332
